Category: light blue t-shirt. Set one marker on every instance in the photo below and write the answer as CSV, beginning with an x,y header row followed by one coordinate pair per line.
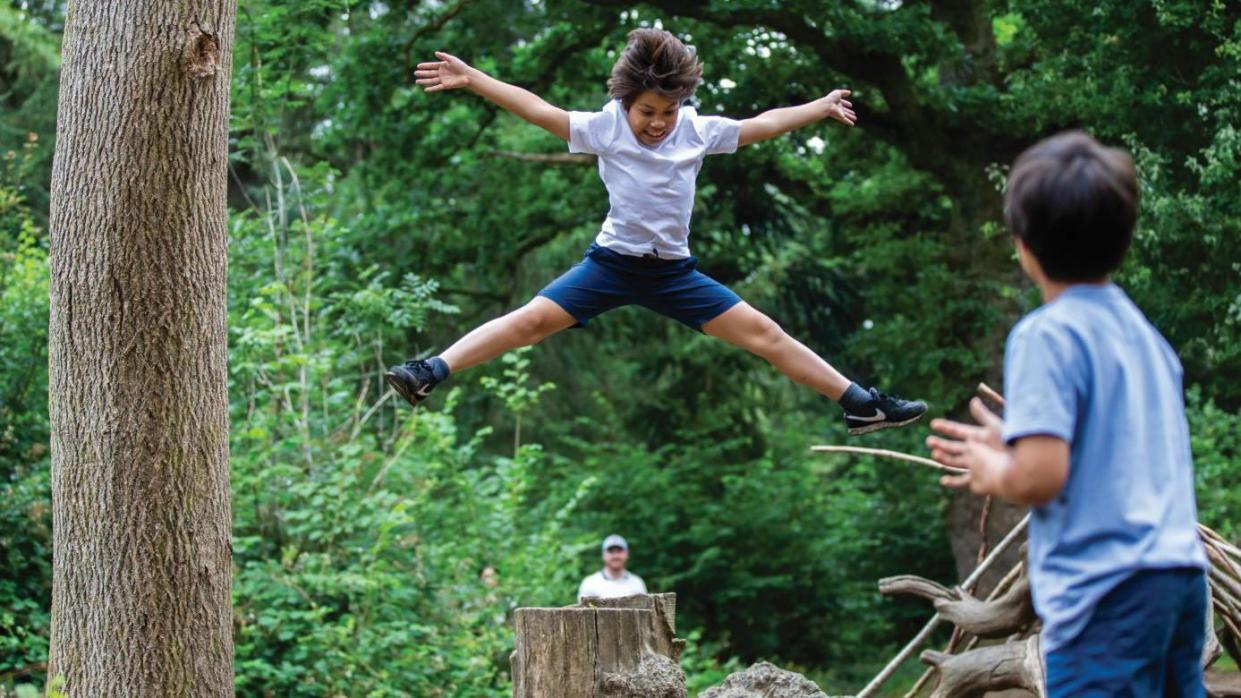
x,y
1090,369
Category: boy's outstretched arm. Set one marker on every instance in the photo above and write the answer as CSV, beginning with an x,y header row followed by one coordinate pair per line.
x,y
774,122
450,73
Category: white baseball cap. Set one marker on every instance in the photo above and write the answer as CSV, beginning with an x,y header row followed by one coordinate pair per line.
x,y
614,541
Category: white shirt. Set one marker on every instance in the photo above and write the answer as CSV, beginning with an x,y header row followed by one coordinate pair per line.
x,y
650,188
601,585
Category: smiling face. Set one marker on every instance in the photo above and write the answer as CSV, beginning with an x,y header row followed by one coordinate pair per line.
x,y
652,117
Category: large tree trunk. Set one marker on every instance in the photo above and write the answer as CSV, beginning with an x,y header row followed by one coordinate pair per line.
x,y
137,351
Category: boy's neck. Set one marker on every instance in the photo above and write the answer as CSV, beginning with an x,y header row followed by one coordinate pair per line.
x,y
1052,289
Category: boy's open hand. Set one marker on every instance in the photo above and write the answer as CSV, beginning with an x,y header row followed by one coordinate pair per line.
x,y
839,108
448,73
980,450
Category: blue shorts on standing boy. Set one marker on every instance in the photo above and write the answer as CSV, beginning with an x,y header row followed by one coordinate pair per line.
x,y
1093,437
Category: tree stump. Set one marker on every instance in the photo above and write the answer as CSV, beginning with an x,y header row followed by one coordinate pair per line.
x,y
600,648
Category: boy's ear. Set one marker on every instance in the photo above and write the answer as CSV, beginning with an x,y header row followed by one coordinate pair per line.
x,y
1029,263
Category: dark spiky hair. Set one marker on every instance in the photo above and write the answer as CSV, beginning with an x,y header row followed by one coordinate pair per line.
x,y
654,59
1074,203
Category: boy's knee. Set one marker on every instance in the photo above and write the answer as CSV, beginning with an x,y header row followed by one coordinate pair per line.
x,y
767,333
530,325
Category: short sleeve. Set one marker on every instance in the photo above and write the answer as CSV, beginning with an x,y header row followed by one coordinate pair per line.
x,y
720,132
591,131
1041,363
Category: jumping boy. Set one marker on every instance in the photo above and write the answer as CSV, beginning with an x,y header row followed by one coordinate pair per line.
x,y
650,149
1094,437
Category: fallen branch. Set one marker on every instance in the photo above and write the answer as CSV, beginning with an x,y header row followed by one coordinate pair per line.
x,y
886,673
992,618
886,454
1018,571
994,668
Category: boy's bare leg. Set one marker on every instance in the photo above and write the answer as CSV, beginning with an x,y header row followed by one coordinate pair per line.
x,y
529,324
865,410
745,327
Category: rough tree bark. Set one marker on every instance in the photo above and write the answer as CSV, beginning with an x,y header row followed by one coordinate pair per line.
x,y
137,351
995,668
601,648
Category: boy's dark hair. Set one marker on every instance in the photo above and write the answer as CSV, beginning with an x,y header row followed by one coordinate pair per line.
x,y
654,59
1074,203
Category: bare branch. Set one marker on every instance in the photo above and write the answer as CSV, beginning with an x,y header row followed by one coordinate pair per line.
x,y
545,158
887,454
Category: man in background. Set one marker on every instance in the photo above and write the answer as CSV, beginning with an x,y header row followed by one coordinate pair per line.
x,y
613,580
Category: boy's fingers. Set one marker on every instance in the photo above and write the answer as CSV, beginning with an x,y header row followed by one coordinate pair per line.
x,y
429,81
949,459
430,65
956,482
956,430
845,93
984,415
435,88
947,445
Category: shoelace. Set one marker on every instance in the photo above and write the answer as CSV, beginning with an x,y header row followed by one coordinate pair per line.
x,y
420,369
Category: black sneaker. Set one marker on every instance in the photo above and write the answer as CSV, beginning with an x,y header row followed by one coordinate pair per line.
x,y
413,380
884,411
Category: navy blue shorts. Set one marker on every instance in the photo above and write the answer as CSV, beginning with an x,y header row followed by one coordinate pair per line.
x,y
606,279
1145,638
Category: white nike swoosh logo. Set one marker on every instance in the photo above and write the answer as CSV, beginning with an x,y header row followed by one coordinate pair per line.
x,y
879,415
426,390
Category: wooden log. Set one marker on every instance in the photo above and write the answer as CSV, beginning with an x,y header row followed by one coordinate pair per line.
x,y
907,651
994,668
1005,584
601,648
1009,613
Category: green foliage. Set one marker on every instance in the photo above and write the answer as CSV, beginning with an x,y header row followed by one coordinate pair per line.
x,y
513,388
29,67
371,221
25,512
1216,436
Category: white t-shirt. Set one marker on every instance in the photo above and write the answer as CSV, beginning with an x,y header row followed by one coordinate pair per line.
x,y
650,188
601,585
